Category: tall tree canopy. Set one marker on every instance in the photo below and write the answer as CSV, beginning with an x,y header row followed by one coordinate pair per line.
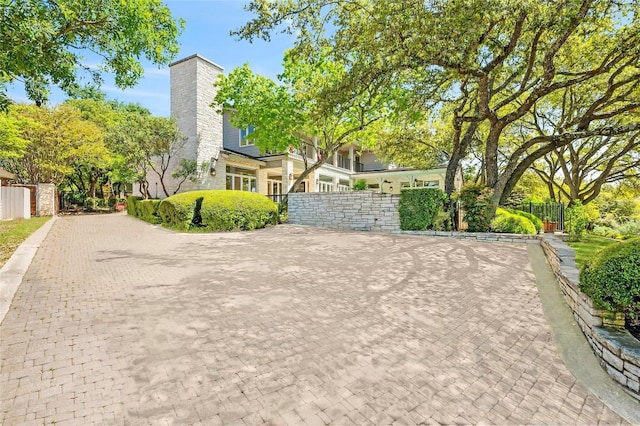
x,y
487,68
42,41
295,112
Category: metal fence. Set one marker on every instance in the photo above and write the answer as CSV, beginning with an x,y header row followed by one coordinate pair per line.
x,y
553,212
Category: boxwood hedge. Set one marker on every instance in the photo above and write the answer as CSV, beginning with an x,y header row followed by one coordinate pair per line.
x,y
218,210
506,222
146,210
534,219
612,278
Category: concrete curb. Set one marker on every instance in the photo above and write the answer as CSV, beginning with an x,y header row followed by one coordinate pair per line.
x,y
13,271
573,346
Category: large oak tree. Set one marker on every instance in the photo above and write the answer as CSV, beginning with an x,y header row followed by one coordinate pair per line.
x,y
488,65
42,42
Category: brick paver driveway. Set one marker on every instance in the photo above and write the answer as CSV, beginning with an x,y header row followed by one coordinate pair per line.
x,y
118,322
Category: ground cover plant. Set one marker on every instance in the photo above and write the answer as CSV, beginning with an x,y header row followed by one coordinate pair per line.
x,y
14,232
217,210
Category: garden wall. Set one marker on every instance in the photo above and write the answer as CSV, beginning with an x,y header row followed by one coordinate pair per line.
x,y
371,211
353,210
617,349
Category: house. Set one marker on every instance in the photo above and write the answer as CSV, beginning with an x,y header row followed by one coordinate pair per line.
x,y
233,163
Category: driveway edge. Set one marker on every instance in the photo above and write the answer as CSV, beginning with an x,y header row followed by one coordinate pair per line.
x,y
13,271
573,346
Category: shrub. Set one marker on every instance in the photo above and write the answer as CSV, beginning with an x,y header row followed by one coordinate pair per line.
x,y
576,220
506,222
95,203
419,208
475,202
532,218
147,210
132,205
177,210
605,231
237,210
218,211
360,185
629,229
612,278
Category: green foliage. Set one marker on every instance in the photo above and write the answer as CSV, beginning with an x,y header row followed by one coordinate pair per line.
x,y
629,229
419,207
177,211
511,80
237,210
442,221
476,203
620,210
96,203
612,278
360,185
132,205
605,231
56,140
147,210
302,110
43,41
534,219
576,220
218,211
506,222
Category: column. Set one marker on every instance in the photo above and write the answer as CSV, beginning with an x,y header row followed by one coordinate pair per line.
x,y
287,175
351,160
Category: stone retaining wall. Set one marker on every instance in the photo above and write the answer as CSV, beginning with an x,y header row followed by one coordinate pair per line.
x,y
618,351
371,211
479,236
354,210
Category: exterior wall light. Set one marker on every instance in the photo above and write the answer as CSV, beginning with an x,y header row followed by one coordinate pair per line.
x,y
212,165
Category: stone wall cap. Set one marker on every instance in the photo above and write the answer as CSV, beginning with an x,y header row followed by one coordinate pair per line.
x,y
195,55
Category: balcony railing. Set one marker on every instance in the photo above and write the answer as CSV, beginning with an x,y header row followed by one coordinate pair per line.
x,y
345,163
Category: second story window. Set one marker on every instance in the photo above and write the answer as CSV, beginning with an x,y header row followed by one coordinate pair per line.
x,y
243,136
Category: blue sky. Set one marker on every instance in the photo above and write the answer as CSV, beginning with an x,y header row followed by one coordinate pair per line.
x,y
206,32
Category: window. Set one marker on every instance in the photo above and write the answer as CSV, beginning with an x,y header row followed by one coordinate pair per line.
x,y
243,136
241,179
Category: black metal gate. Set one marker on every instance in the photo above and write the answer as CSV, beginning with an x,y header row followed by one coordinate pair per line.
x,y
553,212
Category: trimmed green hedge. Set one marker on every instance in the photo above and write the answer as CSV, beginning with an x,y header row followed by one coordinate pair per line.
x,y
218,210
612,278
146,210
419,208
132,205
506,222
534,219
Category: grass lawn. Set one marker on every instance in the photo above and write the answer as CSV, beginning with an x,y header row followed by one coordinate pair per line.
x,y
588,247
13,232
